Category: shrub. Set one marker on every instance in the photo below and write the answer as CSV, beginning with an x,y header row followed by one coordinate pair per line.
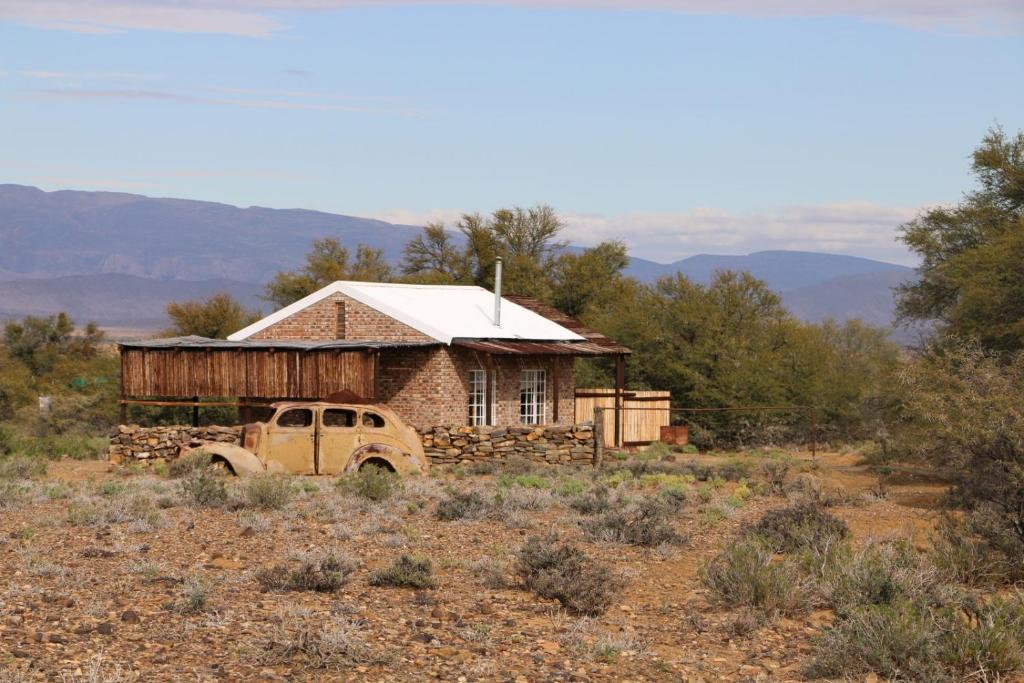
x,y
800,526
137,508
22,467
195,594
880,574
657,451
598,499
461,505
563,572
992,640
336,645
480,467
775,472
964,557
529,481
370,482
643,523
204,489
743,574
491,571
733,470
188,463
897,641
319,573
14,493
516,464
408,571
963,405
568,488
267,491
809,489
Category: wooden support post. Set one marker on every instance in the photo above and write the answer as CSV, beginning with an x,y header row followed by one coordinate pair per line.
x,y
122,411
620,381
554,390
489,392
598,436
814,434
195,411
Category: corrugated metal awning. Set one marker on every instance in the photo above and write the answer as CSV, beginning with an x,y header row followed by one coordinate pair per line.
x,y
194,342
501,347
610,346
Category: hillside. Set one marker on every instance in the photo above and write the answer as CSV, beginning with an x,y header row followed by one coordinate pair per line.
x,y
51,234
118,258
114,300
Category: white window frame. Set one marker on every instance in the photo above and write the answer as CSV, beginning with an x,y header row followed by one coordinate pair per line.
x,y
477,397
533,390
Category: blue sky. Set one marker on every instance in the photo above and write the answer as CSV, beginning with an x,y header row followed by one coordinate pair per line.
x,y
678,127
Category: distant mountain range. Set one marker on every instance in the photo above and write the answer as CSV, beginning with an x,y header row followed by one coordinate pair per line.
x,y
119,258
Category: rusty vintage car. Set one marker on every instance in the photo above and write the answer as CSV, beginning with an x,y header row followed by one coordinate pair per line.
x,y
322,438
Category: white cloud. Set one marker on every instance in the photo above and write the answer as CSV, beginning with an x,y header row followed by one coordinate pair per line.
x,y
256,18
856,228
281,102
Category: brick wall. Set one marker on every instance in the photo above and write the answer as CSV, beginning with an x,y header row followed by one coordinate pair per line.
x,y
340,317
431,386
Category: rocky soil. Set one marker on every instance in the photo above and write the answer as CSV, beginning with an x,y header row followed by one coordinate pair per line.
x,y
113,575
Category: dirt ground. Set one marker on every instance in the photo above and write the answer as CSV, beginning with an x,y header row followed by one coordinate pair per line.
x,y
102,600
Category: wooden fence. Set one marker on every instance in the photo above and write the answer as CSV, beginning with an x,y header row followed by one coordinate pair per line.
x,y
639,427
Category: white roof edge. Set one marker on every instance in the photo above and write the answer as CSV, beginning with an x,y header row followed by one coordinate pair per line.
x,y
278,316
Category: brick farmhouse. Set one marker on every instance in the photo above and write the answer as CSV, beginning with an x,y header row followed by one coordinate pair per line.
x,y
525,364
436,354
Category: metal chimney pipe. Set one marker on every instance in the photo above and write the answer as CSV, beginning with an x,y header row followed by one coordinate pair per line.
x,y
497,292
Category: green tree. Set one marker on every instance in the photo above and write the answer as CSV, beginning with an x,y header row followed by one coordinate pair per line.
x,y
525,239
588,278
972,281
731,343
964,414
40,342
327,262
433,257
216,317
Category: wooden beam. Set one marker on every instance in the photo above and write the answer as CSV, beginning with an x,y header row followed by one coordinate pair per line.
x,y
620,381
554,390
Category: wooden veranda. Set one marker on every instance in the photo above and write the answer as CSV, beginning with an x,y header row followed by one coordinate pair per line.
x,y
183,371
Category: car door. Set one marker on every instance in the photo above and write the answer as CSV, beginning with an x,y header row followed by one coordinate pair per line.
x,y
340,434
291,444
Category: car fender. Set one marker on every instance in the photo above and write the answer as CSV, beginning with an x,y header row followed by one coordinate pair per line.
x,y
403,463
240,460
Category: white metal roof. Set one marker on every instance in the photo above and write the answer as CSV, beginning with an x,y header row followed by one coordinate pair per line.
x,y
442,312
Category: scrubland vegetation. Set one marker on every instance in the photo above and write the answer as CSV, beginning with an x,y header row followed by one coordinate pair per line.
x,y
899,554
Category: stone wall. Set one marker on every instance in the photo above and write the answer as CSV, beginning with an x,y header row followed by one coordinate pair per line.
x,y
131,443
552,444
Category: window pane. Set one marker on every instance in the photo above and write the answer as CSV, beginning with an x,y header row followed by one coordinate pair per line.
x,y
477,397
339,417
296,417
532,386
373,420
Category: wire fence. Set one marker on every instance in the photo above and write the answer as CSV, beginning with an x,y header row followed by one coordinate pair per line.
x,y
603,439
